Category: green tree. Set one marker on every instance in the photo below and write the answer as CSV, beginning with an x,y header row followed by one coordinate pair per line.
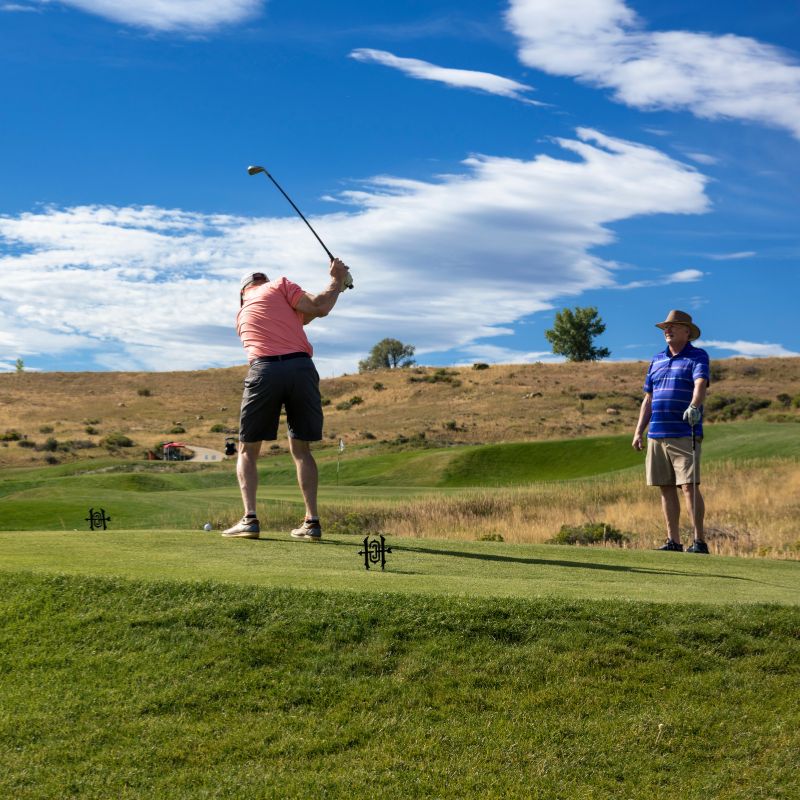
x,y
388,354
572,334
20,365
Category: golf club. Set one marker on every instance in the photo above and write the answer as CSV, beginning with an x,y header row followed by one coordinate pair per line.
x,y
694,483
254,170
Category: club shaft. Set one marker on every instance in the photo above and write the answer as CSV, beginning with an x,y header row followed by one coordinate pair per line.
x,y
300,214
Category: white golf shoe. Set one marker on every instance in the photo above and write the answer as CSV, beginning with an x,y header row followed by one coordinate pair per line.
x,y
246,528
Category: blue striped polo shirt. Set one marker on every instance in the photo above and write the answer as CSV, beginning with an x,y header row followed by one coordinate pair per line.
x,y
670,379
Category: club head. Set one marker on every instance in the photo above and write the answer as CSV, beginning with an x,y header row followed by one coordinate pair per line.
x,y
255,170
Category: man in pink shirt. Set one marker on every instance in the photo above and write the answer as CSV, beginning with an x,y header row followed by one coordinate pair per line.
x,y
270,324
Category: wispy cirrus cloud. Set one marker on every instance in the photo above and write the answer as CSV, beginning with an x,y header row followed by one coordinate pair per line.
x,y
168,15
605,43
16,7
462,257
750,349
738,256
682,276
457,78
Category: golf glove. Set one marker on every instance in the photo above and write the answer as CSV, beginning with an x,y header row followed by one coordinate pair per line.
x,y
692,415
347,283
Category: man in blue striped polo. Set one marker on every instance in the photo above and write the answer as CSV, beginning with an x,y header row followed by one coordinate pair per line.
x,y
674,391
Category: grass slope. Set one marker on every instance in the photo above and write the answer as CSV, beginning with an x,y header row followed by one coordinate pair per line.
x,y
138,690
163,496
415,566
504,403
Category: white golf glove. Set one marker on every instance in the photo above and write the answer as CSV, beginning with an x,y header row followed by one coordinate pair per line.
x,y
347,283
692,415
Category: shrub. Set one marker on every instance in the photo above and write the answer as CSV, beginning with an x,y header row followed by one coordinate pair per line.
x,y
326,401
439,376
480,365
50,445
79,444
353,401
25,443
490,537
143,392
450,425
378,386
354,523
46,429
117,440
589,533
91,430
716,372
11,436
218,428
587,395
177,429
51,459
784,399
368,435
724,408
91,422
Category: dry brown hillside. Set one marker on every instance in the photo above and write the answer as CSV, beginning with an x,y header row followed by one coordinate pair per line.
x,y
500,403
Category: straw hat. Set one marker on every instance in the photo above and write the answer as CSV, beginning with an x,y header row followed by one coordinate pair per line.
x,y
676,317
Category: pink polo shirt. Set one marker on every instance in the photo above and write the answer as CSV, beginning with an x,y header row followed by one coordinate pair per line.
x,y
268,324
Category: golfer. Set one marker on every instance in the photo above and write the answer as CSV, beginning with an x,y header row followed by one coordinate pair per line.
x,y
674,391
270,324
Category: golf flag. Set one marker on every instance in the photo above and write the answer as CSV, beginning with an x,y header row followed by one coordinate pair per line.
x,y
341,445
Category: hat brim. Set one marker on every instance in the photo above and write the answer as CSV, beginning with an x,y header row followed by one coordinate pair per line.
x,y
694,331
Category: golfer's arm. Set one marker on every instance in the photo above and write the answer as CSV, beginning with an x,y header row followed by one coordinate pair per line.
x,y
645,412
312,306
699,394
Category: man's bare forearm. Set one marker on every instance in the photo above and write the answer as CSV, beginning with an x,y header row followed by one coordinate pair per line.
x,y
325,301
699,394
645,412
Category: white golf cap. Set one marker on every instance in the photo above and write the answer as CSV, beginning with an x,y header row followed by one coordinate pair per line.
x,y
250,277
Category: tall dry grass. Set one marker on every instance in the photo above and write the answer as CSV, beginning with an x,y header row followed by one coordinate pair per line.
x,y
752,509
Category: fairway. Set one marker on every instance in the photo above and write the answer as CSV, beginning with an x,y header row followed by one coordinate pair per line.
x,y
416,566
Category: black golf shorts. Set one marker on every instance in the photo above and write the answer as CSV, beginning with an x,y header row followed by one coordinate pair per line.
x,y
270,385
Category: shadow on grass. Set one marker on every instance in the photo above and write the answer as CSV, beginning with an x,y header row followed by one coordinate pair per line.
x,y
546,562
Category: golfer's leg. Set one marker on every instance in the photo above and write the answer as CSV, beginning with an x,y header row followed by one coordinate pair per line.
x,y
247,473
672,511
696,514
307,476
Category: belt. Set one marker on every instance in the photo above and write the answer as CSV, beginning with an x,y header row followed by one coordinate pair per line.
x,y
286,357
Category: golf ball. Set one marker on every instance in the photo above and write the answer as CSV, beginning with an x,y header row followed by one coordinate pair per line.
x,y
208,526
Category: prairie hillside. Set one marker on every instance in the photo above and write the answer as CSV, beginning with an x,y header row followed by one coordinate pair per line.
x,y
68,415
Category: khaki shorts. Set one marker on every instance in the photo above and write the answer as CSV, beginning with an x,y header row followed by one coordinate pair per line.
x,y
669,461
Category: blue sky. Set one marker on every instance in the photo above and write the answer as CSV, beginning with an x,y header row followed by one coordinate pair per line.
x,y
479,165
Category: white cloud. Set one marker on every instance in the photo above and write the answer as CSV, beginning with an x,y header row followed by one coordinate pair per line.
x,y
703,158
732,256
493,354
750,349
442,264
458,78
169,15
682,276
15,7
604,43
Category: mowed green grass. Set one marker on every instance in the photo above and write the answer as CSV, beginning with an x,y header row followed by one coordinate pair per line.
x,y
142,689
145,661
415,566
59,497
